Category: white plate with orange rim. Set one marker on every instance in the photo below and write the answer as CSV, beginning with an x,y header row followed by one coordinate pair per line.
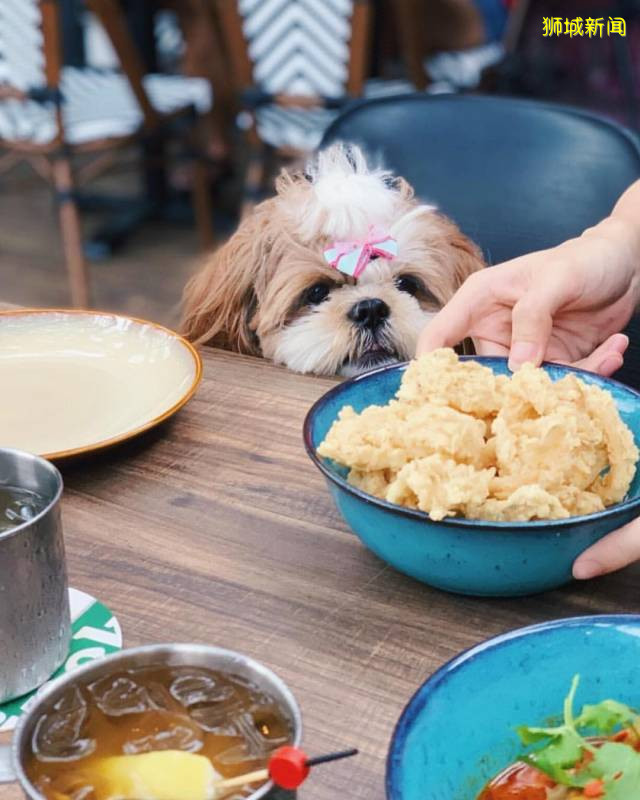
x,y
73,382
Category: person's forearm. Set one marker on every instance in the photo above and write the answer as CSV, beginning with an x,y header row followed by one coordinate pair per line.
x,y
628,206
625,219
621,231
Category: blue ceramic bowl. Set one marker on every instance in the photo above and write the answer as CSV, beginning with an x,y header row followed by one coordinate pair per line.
x,y
457,732
462,555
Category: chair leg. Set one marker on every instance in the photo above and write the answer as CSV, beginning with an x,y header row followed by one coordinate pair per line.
x,y
270,161
201,198
255,176
200,189
71,231
7,161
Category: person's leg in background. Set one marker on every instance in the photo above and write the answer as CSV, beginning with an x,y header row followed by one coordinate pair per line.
x,y
451,25
205,56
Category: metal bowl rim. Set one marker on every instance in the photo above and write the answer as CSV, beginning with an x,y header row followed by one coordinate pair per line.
x,y
152,649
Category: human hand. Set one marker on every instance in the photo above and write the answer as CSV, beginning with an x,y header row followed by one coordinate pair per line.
x,y
564,304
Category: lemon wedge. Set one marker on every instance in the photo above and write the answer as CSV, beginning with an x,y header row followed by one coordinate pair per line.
x,y
160,775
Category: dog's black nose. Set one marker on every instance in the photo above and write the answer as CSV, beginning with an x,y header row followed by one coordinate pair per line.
x,y
369,313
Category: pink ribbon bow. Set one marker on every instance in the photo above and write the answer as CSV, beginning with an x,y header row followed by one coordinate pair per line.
x,y
352,257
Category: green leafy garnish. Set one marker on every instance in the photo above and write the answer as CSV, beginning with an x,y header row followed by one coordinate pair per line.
x,y
568,757
606,716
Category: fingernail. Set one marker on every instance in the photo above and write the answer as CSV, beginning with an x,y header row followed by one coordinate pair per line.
x,y
583,570
521,352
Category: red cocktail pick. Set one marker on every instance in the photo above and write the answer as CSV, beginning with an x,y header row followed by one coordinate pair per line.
x,y
289,766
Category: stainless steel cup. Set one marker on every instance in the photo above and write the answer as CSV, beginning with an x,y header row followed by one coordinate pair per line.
x,y
35,627
14,756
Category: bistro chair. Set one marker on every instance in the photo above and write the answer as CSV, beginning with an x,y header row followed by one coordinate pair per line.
x,y
460,69
516,175
295,63
50,113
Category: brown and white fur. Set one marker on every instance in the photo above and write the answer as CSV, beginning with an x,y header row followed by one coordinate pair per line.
x,y
269,291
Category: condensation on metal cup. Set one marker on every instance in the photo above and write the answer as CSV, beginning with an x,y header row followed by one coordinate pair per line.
x,y
35,626
14,756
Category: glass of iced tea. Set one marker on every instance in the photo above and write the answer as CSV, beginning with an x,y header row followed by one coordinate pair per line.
x,y
164,722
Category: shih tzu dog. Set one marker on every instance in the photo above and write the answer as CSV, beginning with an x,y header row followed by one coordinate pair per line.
x,y
336,274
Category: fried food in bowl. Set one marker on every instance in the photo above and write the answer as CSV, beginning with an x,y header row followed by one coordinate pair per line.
x,y
459,440
473,479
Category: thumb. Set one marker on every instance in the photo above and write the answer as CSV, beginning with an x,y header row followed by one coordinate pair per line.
x,y
531,325
615,551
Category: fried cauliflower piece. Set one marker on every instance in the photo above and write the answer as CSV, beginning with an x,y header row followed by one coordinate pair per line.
x,y
375,483
441,379
525,503
622,452
545,435
440,486
387,437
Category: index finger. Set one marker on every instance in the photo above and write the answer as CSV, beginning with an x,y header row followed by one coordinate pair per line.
x,y
453,322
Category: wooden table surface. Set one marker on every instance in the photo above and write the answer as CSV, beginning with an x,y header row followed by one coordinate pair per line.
x,y
217,528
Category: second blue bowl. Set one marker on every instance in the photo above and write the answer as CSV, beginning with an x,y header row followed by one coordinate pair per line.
x,y
459,729
467,556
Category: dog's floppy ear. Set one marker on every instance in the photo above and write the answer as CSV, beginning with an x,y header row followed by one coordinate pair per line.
x,y
458,254
467,256
219,302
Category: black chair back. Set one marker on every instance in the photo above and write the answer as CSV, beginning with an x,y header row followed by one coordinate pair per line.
x,y
516,175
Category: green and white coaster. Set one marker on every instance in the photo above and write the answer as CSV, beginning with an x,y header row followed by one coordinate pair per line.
x,y
95,633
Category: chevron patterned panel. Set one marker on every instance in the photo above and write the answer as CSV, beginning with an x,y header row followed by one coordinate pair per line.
x,y
21,43
299,46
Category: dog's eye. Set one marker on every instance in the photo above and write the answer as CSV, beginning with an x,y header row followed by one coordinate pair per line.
x,y
316,294
409,284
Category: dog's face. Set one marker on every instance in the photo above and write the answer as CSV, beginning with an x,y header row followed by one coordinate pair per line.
x,y
271,290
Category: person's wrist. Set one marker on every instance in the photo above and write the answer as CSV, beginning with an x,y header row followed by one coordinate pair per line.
x,y
619,230
627,232
622,237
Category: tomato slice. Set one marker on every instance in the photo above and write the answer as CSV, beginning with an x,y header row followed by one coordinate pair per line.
x,y
518,782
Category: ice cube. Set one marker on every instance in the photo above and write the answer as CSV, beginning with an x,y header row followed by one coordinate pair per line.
x,y
235,755
245,683
256,743
194,689
212,703
117,695
268,726
215,719
57,735
260,736
256,696
164,730
160,698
